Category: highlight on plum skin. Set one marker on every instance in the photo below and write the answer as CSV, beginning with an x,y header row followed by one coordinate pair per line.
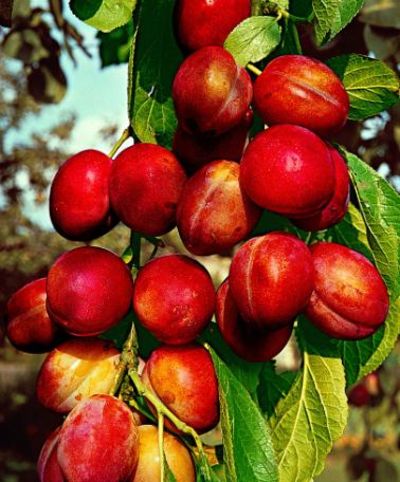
x,y
76,370
89,290
300,90
184,379
29,327
337,207
201,23
271,279
211,92
48,468
246,341
288,169
79,199
350,299
214,214
145,185
174,298
177,456
99,441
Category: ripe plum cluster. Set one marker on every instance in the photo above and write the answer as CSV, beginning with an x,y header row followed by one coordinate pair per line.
x,y
213,186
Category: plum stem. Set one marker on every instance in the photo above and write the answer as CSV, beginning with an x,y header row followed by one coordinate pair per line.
x,y
163,410
124,137
253,69
161,445
129,359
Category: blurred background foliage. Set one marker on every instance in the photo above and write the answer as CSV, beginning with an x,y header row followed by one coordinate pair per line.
x,y
32,78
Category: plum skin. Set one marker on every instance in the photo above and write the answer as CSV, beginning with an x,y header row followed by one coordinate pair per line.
x,y
213,212
184,379
211,92
201,23
89,290
29,326
101,426
174,298
247,342
177,455
195,152
75,370
350,299
337,207
294,89
271,279
79,199
287,169
146,182
48,468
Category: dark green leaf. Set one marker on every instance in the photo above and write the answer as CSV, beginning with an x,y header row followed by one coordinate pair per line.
x,y
247,373
86,9
119,333
273,387
253,39
104,15
248,451
114,47
372,86
153,65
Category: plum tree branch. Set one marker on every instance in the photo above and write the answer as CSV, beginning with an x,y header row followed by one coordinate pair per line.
x,y
163,410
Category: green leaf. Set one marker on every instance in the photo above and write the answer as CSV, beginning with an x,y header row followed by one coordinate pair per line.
x,y
273,387
154,62
380,208
313,415
206,473
104,15
351,231
168,476
325,12
347,10
253,39
372,86
248,374
114,47
248,451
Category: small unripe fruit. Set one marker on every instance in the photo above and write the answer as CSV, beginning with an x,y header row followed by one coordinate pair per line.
x,y
294,89
174,298
288,170
201,23
271,279
184,379
76,370
29,327
89,290
48,468
178,457
246,341
350,299
337,207
211,92
145,184
213,212
99,441
79,201
195,151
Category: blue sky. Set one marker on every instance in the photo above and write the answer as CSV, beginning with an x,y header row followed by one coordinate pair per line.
x,y
96,96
